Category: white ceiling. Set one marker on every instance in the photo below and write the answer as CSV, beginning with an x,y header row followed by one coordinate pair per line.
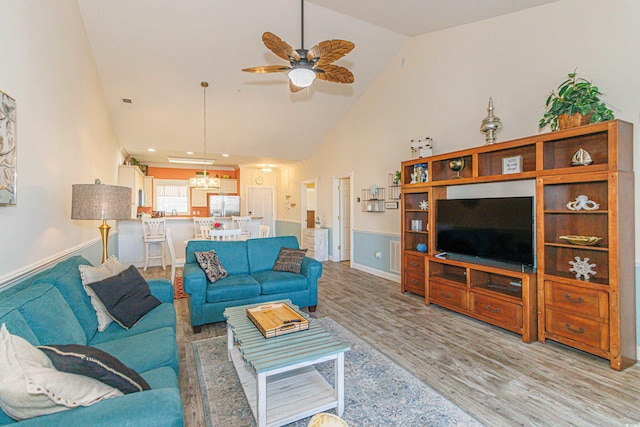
x,y
156,52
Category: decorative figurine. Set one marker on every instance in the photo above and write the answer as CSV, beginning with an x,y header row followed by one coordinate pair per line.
x,y
421,247
581,158
491,125
413,178
583,202
582,268
424,205
457,165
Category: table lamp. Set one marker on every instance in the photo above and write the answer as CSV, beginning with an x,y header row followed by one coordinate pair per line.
x,y
98,201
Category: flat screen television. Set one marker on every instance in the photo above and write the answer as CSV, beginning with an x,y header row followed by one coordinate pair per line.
x,y
498,229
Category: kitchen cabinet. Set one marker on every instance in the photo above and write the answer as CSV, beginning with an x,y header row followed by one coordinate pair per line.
x,y
228,186
132,177
148,192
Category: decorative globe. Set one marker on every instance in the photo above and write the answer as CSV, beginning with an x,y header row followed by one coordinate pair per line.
x,y
421,247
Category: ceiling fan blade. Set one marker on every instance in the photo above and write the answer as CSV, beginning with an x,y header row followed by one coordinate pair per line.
x,y
334,73
278,46
328,51
267,69
293,88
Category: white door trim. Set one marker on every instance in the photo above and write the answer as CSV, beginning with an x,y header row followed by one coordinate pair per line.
x,y
336,243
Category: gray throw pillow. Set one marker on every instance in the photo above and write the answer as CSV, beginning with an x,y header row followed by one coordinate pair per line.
x,y
126,296
95,363
290,260
210,263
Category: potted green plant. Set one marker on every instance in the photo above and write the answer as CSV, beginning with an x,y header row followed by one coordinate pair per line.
x,y
397,176
576,102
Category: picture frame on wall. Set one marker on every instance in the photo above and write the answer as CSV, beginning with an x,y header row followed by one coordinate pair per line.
x,y
511,165
8,150
391,205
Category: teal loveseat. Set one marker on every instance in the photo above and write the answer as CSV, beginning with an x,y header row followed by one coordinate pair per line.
x,y
53,308
251,278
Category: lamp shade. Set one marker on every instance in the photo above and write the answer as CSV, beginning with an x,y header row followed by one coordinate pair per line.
x,y
302,77
98,201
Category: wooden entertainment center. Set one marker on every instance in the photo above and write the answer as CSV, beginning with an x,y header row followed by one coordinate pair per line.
x,y
594,312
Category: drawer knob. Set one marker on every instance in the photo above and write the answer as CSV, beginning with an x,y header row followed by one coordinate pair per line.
x,y
580,330
445,294
415,282
415,264
573,301
493,310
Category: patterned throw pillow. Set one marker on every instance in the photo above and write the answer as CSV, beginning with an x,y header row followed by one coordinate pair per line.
x,y
211,265
90,274
290,260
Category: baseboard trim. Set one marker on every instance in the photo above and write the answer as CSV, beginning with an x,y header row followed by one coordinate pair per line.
x,y
379,273
13,277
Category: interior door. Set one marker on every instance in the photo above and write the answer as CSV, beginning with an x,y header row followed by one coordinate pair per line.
x,y
260,203
345,219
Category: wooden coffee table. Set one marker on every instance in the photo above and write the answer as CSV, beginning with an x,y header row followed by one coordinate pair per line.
x,y
278,374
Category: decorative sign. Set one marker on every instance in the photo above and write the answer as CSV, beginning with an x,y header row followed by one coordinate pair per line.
x,y
512,165
8,157
391,205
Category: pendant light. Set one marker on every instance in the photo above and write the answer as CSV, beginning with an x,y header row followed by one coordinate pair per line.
x,y
202,180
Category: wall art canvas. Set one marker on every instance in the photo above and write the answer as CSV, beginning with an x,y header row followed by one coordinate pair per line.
x,y
8,154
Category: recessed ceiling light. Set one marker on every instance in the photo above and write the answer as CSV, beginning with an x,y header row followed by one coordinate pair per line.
x,y
266,170
225,155
151,149
190,161
190,152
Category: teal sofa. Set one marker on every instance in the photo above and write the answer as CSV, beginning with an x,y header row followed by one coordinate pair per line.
x,y
53,308
251,278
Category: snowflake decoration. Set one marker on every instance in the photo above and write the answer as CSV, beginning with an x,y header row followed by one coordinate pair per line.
x,y
424,205
582,268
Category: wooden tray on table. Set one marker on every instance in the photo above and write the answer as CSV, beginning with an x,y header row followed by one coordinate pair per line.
x,y
275,319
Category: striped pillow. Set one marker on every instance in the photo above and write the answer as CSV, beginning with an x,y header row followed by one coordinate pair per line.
x,y
290,260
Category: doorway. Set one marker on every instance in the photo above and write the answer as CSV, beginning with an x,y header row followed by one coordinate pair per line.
x,y
309,201
342,196
260,202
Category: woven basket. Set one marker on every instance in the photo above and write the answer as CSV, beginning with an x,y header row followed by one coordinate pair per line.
x,y
577,119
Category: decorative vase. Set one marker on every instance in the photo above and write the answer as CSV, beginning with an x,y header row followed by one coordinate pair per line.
x,y
565,121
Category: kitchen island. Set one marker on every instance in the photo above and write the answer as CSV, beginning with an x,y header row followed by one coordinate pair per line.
x,y
131,244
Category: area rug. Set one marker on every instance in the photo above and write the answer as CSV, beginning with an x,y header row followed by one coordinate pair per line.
x,y
178,288
378,392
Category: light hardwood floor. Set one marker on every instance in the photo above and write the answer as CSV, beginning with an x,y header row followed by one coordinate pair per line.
x,y
487,371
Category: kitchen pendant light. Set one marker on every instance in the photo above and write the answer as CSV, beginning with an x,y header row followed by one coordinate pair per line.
x,y
202,180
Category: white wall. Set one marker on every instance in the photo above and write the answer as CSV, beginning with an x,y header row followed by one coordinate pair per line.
x,y
63,129
439,85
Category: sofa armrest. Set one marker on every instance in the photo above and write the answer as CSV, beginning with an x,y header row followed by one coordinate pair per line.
x,y
195,285
312,270
161,289
161,407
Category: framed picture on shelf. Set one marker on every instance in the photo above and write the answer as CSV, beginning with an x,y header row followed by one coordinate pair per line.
x,y
391,205
511,165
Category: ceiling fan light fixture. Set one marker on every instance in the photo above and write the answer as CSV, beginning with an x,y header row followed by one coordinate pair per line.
x,y
302,77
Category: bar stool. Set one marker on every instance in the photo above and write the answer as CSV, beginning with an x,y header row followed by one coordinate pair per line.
x,y
172,254
153,230
199,222
244,224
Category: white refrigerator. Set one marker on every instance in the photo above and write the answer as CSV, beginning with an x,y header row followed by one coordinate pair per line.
x,y
224,206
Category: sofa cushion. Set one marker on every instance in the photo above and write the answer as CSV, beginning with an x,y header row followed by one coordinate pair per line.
x,y
289,260
210,264
66,278
47,314
163,316
30,386
263,252
233,255
95,363
143,352
90,274
163,377
236,287
17,325
275,282
126,296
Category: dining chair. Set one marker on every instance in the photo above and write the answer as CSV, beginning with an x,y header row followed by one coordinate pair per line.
x,y
243,223
204,232
199,222
172,254
233,234
153,230
264,230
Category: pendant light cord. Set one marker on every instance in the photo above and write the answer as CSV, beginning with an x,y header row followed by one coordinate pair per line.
x,y
204,120
302,24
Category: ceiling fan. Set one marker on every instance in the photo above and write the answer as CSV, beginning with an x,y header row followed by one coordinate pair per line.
x,y
305,65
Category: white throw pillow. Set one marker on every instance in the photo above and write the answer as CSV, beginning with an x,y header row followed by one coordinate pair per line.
x,y
30,386
90,274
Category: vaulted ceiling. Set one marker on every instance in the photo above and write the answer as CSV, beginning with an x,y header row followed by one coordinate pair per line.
x,y
155,53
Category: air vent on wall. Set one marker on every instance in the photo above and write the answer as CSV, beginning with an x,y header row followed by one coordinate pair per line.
x,y
126,102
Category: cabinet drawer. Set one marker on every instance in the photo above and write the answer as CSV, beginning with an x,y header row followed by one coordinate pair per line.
x,y
442,294
574,299
414,264
509,314
577,328
414,282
